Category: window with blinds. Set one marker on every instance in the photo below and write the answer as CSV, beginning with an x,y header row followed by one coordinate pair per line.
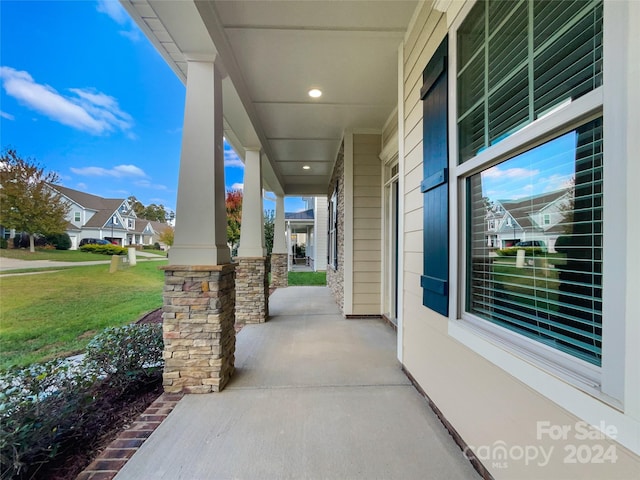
x,y
538,270
518,60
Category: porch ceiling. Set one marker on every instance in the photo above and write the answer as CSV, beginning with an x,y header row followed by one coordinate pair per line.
x,y
274,52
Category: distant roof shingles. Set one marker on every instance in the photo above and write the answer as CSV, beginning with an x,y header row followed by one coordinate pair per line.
x,y
304,215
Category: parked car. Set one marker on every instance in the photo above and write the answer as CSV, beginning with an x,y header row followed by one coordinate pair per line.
x,y
533,243
91,241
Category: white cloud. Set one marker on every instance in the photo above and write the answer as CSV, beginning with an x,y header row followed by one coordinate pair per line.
x,y
558,182
148,184
118,14
133,35
118,171
231,159
497,172
89,110
237,186
6,115
114,10
82,186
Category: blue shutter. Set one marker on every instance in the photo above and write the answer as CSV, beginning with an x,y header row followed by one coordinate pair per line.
x,y
435,186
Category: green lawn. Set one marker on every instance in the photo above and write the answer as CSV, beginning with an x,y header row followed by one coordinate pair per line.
x,y
307,278
55,314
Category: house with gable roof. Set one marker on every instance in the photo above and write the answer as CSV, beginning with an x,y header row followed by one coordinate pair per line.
x,y
111,219
540,217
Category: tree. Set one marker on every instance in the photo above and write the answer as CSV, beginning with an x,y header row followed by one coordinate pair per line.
x,y
155,212
233,203
27,203
166,236
269,224
136,205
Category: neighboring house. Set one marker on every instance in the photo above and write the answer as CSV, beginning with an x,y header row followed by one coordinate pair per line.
x,y
111,219
308,228
152,231
420,98
542,217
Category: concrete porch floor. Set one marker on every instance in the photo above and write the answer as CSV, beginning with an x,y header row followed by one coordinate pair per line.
x,y
313,396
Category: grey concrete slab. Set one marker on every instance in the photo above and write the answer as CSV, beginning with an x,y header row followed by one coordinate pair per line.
x,y
315,396
311,433
293,301
314,350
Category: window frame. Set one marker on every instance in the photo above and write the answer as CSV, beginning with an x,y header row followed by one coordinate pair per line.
x,y
492,341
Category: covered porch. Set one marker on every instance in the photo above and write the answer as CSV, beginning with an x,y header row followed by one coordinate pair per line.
x,y
313,396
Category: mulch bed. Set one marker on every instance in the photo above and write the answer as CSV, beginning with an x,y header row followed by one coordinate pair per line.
x,y
112,413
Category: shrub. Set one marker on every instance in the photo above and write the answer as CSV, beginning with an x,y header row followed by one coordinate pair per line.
x,y
59,240
42,407
156,246
21,240
47,409
529,251
3,243
128,354
104,249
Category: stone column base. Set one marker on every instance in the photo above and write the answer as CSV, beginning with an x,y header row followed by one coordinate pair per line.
x,y
279,270
198,328
252,290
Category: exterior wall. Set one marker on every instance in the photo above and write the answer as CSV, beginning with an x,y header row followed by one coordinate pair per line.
x,y
320,234
335,277
479,394
367,224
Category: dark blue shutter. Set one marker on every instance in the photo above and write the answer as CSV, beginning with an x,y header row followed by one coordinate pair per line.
x,y
435,186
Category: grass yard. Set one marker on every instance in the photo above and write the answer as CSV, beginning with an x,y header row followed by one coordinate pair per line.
x,y
297,279
55,314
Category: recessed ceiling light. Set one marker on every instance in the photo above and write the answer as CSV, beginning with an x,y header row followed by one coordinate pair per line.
x,y
306,167
315,93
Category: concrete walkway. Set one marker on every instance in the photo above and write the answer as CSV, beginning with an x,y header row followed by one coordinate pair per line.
x,y
8,264
314,396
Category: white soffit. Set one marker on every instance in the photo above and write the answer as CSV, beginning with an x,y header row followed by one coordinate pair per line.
x,y
275,51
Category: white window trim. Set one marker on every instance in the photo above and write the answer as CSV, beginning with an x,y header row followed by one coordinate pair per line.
x,y
571,385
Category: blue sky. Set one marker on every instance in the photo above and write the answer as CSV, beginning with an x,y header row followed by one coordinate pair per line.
x,y
85,94
546,168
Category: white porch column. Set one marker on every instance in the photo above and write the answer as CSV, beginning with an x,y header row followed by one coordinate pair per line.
x,y
252,281
201,219
279,229
252,228
199,291
279,256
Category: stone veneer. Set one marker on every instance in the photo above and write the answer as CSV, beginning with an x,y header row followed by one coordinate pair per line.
x,y
198,328
279,270
252,290
335,277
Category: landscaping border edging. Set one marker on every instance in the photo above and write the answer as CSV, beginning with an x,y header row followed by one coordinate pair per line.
x,y
107,465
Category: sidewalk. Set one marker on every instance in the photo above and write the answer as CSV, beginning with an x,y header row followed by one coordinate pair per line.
x,y
313,396
8,264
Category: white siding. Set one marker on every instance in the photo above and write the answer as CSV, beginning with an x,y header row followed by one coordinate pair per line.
x,y
367,214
